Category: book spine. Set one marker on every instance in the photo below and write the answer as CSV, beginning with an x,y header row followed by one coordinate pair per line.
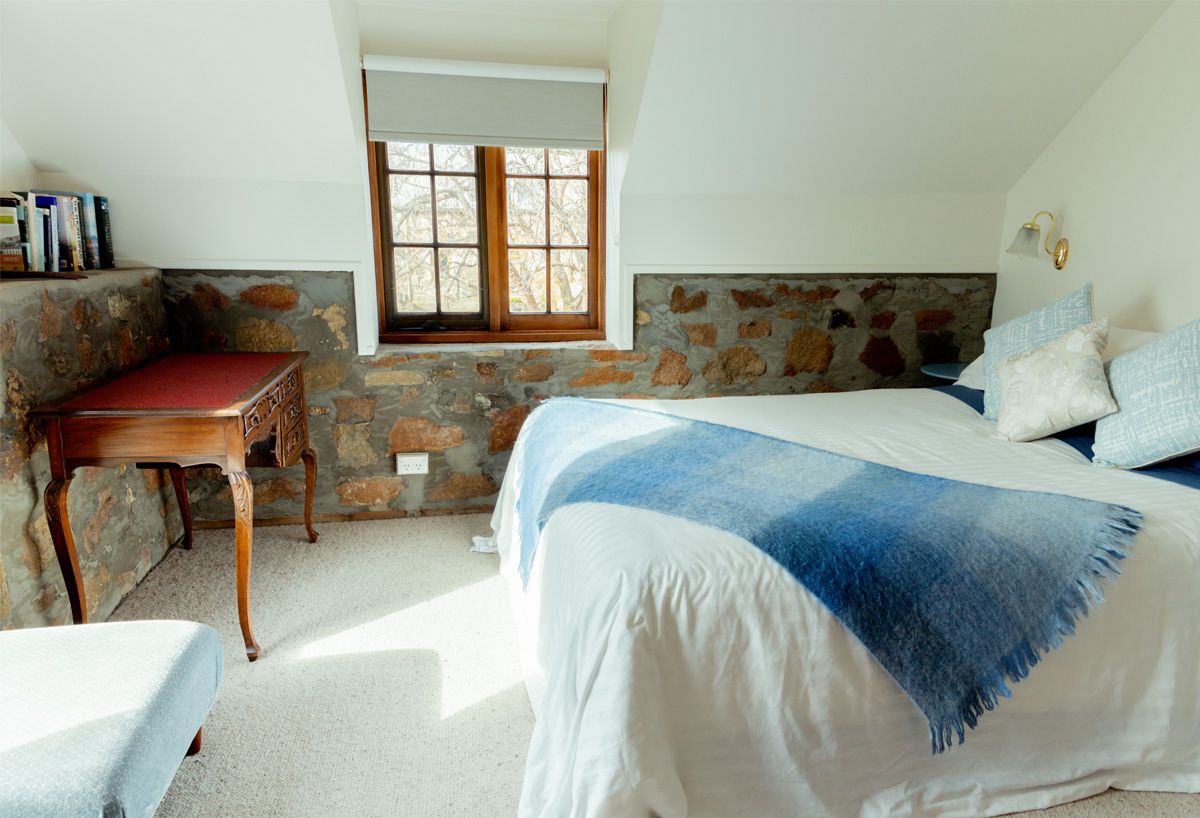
x,y
56,225
33,226
78,248
91,235
104,229
11,259
47,222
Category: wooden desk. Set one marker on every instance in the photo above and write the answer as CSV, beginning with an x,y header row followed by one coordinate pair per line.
x,y
232,410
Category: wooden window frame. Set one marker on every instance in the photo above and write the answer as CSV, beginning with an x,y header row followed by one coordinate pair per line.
x,y
498,324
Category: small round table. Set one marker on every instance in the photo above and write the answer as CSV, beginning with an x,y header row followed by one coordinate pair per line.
x,y
950,372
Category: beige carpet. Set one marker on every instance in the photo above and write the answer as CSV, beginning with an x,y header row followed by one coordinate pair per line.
x,y
388,684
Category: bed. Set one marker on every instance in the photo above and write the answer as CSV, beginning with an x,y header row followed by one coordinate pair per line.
x,y
676,670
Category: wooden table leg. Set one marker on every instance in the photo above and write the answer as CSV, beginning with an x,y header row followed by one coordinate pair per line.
x,y
310,486
64,546
179,481
243,515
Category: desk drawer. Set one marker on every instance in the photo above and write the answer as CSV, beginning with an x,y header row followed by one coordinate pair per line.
x,y
259,418
293,413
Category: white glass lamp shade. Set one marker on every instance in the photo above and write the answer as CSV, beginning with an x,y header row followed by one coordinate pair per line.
x,y
1027,242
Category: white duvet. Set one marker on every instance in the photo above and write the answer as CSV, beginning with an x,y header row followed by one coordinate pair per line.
x,y
677,671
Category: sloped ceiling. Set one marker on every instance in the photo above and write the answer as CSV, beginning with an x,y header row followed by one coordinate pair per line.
x,y
218,90
781,98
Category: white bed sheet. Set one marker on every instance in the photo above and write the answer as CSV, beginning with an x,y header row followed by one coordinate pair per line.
x,y
677,671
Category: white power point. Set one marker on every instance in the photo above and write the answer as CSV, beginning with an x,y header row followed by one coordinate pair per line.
x,y
412,463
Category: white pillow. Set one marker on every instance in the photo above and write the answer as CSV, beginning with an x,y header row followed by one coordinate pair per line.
x,y
1055,387
1121,340
972,377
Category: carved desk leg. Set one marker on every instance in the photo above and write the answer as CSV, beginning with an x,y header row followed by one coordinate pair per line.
x,y
310,486
64,546
179,481
243,515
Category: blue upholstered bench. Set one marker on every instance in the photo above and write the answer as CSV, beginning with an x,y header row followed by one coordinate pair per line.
x,y
95,719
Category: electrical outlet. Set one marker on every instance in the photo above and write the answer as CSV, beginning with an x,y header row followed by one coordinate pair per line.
x,y
412,463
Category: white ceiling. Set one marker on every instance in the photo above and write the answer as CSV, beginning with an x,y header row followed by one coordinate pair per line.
x,y
868,97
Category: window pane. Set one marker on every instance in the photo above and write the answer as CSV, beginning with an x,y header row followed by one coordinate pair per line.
x,y
568,280
527,280
526,211
454,157
413,267
458,275
568,211
566,162
457,210
412,210
408,156
525,160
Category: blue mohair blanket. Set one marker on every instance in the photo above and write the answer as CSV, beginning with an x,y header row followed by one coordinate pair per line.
x,y
955,588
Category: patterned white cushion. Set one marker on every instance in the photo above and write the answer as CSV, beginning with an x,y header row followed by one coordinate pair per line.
x,y
1055,387
1157,388
1031,331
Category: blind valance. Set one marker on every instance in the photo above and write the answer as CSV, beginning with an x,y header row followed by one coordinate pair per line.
x,y
494,104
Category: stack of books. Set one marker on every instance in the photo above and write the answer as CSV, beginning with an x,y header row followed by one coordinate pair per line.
x,y
54,231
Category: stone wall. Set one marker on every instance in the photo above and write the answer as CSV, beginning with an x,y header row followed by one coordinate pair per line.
x,y
56,338
696,336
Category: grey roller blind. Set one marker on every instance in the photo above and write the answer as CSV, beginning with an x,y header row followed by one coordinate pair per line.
x,y
466,103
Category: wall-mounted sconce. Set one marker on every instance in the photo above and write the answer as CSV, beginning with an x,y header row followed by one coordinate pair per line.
x,y
1029,237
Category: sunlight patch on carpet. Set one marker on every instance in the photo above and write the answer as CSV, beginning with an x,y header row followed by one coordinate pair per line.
x,y
464,627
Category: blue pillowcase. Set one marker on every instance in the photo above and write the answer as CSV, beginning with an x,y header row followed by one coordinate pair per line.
x,y
1030,331
1157,388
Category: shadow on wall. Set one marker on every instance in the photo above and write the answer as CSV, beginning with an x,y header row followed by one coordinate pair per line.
x,y
696,336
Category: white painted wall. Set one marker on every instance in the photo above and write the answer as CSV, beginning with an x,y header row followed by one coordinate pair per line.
x,y
852,137
811,233
16,171
1125,175
632,33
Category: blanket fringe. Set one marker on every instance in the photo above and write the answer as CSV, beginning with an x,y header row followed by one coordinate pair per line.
x,y
1122,526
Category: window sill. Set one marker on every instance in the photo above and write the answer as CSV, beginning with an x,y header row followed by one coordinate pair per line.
x,y
387,348
473,337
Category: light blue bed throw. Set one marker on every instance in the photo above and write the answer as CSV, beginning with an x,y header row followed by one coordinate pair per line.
x,y
956,589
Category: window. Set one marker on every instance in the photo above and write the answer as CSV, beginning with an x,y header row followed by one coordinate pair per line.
x,y
482,243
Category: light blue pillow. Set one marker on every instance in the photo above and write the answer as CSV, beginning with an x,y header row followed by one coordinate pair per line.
x,y
1157,390
1036,329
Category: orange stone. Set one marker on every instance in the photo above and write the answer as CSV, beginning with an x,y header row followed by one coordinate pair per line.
x,y
278,297
883,320
881,355
423,435
532,373
206,297
50,320
928,320
462,487
487,372
760,328
701,335
370,491
682,302
672,369
747,299
735,364
506,425
600,375
809,350
612,355
355,409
